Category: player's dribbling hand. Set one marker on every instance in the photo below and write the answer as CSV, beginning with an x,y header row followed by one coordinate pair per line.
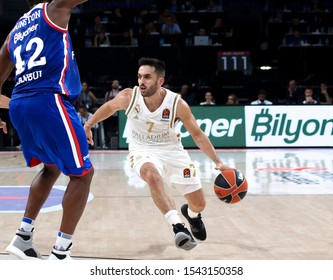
x,y
221,166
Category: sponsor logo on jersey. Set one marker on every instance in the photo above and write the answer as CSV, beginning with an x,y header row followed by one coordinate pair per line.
x,y
187,173
166,114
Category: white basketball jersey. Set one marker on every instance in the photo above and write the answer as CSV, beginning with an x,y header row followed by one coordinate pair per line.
x,y
153,130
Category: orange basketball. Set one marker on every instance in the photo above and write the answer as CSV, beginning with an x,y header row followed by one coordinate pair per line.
x,y
230,186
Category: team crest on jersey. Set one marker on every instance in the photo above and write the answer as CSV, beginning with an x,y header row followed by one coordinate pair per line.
x,y
187,173
166,114
137,108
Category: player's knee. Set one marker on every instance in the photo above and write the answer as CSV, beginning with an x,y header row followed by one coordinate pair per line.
x,y
151,176
51,170
154,179
90,174
87,178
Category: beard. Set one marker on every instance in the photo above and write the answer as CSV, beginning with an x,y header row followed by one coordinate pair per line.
x,y
149,91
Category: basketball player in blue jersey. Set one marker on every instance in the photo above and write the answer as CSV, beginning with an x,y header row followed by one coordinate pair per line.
x,y
156,152
47,81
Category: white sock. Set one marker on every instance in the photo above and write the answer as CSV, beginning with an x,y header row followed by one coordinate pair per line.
x,y
172,217
27,224
191,213
63,241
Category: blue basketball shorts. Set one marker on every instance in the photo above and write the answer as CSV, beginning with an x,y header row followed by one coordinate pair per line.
x,y
51,133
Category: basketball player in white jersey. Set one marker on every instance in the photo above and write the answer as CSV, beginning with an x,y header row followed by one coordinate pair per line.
x,y
156,152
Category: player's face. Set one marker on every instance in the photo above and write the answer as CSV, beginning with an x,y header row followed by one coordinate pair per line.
x,y
148,81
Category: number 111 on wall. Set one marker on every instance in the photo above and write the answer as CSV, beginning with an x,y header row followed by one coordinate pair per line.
x,y
233,60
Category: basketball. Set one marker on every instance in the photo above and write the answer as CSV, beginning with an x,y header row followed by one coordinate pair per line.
x,y
230,186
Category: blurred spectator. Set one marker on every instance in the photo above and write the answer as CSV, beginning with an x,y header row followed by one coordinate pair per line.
x,y
98,26
111,123
119,22
127,39
102,40
262,95
209,99
188,6
309,99
295,39
293,94
149,28
88,42
232,99
164,15
150,35
141,18
223,32
87,98
113,91
174,6
212,7
188,96
317,6
170,26
201,31
324,96
84,116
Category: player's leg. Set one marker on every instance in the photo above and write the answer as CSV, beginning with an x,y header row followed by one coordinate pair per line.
x,y
152,177
73,160
150,171
73,204
196,200
22,244
183,176
74,201
40,189
192,212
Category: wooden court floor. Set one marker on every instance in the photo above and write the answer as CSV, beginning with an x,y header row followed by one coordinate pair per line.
x,y
287,213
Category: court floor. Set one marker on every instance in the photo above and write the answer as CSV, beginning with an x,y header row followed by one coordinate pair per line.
x,y
287,213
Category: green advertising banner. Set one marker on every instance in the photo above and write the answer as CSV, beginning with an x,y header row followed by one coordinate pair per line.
x,y
224,125
257,126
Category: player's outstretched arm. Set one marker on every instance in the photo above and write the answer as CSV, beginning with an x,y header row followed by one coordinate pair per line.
x,y
200,138
120,102
60,11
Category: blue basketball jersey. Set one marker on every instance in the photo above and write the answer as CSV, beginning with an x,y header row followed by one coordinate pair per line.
x,y
43,56
47,81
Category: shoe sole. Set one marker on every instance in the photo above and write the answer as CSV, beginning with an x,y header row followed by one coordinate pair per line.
x,y
19,254
183,241
184,212
52,257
